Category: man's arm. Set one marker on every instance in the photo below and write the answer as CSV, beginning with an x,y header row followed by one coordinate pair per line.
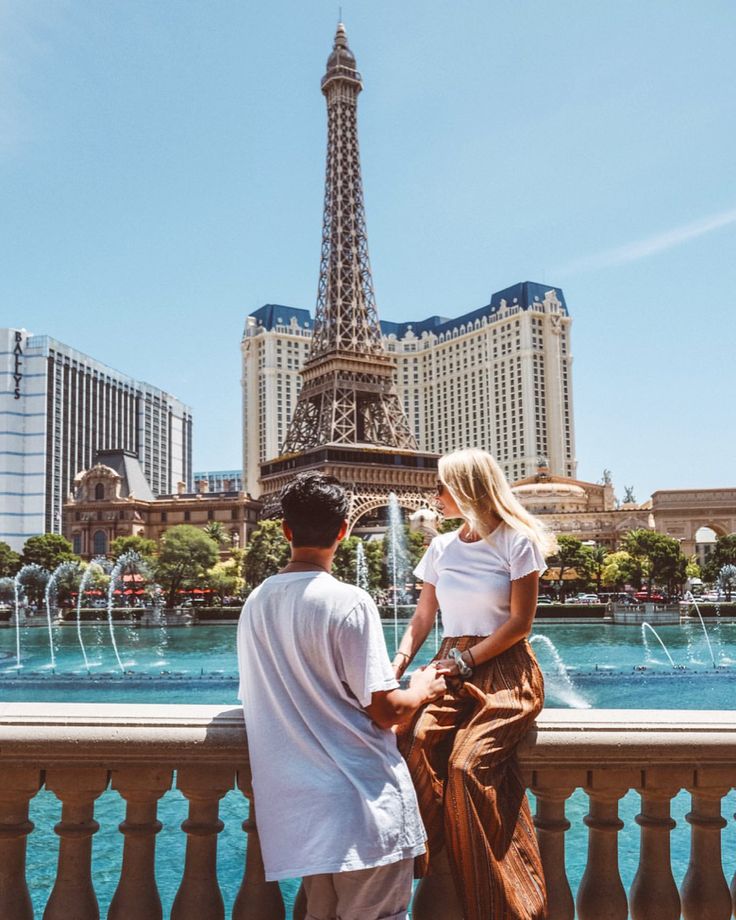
x,y
389,707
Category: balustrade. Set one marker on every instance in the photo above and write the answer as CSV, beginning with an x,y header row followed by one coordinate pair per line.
x,y
139,752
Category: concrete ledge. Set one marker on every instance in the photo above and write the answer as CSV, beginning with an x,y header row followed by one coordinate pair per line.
x,y
44,733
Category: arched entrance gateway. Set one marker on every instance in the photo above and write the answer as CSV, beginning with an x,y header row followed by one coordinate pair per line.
x,y
367,501
681,513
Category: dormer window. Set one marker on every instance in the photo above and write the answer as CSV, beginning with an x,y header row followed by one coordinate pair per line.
x,y
99,491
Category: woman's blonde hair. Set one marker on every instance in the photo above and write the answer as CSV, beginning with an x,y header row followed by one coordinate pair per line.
x,y
480,489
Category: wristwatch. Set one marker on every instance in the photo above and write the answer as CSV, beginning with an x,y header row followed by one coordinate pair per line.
x,y
464,670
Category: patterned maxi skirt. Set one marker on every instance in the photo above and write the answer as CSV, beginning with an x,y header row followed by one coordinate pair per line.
x,y
461,752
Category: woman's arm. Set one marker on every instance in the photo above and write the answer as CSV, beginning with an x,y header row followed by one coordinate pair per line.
x,y
418,629
523,606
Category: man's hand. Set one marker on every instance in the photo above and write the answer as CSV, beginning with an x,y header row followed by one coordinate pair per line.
x,y
429,682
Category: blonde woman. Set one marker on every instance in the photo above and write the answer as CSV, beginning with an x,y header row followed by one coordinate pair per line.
x,y
461,748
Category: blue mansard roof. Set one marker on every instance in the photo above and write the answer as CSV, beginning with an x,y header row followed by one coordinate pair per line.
x,y
275,314
524,294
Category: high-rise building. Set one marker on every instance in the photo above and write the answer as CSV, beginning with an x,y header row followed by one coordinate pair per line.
x,y
58,407
219,480
498,377
348,419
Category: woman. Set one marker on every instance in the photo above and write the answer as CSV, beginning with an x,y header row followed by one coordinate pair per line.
x,y
461,748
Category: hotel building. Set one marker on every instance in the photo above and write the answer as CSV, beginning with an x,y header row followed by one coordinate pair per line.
x,y
499,377
58,407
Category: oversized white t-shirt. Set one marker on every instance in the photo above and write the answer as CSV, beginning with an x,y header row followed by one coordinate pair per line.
x,y
332,792
473,580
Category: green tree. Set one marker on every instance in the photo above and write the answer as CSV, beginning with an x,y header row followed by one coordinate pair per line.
x,y
657,557
267,551
145,548
9,561
596,563
225,579
692,569
33,585
618,570
375,551
343,566
724,553
48,550
185,556
216,532
570,555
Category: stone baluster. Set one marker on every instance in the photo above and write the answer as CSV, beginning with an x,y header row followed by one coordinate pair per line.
x,y
73,894
137,894
18,785
601,895
654,892
705,894
552,788
257,899
436,895
199,896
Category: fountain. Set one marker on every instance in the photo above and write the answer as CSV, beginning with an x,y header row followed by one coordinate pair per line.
x,y
361,567
99,564
705,633
398,558
646,626
60,570
34,571
568,693
131,562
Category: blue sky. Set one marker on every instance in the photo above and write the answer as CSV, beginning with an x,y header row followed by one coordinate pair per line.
x,y
161,169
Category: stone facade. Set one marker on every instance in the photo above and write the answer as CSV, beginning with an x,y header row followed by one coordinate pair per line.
x,y
505,369
585,510
102,507
682,512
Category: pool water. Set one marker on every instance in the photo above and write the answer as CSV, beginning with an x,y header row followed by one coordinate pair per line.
x,y
598,665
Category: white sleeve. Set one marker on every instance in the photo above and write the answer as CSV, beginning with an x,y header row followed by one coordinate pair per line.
x,y
525,558
362,659
426,567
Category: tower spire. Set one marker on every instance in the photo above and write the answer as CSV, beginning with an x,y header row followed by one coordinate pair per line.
x,y
348,396
348,420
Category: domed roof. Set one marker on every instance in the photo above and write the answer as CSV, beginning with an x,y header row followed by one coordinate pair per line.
x,y
341,55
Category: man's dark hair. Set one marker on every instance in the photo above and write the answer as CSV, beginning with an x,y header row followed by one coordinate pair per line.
x,y
314,506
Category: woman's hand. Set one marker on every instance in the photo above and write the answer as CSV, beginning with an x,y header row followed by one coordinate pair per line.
x,y
448,667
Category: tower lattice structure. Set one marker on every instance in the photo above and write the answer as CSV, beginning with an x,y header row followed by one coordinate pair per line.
x,y
348,394
349,420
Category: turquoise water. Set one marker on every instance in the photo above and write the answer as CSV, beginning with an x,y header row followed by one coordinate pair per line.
x,y
609,667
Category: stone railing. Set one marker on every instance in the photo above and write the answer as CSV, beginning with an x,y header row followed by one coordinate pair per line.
x,y
79,751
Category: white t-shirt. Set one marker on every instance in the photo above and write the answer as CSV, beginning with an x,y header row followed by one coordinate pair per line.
x,y
473,580
332,792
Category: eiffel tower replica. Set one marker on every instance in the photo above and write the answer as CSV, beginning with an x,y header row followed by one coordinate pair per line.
x,y
348,420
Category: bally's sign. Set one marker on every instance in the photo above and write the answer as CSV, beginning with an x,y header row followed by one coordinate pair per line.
x,y
18,365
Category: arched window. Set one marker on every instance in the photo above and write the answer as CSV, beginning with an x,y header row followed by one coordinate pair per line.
x,y
77,543
99,543
99,491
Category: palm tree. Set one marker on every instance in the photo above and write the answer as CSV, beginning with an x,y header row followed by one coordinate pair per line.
x,y
216,532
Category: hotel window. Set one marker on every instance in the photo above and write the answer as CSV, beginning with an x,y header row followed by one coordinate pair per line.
x,y
99,543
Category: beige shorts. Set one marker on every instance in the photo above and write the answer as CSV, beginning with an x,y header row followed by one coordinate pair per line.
x,y
382,893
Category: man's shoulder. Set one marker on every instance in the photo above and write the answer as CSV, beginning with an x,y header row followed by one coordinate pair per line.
x,y
346,596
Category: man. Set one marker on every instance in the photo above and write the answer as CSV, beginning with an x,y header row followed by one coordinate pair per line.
x,y
335,802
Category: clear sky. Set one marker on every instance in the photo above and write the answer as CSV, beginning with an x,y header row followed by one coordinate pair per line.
x,y
161,170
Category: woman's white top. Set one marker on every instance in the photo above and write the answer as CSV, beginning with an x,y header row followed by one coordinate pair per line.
x,y
473,580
